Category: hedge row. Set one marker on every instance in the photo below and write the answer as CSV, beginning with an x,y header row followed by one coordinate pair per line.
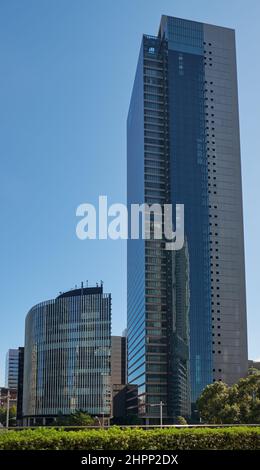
x,y
132,439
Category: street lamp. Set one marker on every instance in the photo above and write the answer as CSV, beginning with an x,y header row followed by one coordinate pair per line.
x,y
161,404
7,398
108,393
8,409
99,422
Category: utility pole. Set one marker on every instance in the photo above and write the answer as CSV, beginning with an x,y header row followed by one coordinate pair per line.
x,y
161,404
99,422
7,409
161,414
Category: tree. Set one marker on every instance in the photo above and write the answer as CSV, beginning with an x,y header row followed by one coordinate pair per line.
x,y
240,403
181,420
12,415
249,397
211,402
79,418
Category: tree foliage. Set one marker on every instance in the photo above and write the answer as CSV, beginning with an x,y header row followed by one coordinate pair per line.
x,y
79,418
115,438
181,420
12,415
240,403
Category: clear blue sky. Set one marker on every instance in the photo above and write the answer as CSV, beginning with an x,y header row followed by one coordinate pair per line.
x,y
67,69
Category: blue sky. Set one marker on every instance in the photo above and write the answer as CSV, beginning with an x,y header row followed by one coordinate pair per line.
x,y
67,69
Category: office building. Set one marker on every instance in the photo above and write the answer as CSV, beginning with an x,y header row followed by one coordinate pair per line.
x,y
11,369
254,364
118,360
7,393
67,356
19,412
124,396
186,309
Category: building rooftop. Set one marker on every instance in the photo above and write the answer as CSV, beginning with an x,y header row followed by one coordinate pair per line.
x,y
82,291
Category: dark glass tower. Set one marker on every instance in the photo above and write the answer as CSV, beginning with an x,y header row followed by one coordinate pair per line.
x,y
186,309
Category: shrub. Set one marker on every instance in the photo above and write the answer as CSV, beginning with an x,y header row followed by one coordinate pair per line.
x,y
240,438
181,420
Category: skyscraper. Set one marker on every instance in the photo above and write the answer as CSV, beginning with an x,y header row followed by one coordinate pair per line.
x,y
186,309
11,368
67,356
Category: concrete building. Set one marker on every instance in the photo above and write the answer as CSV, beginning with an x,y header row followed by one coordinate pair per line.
x,y
124,403
118,360
254,364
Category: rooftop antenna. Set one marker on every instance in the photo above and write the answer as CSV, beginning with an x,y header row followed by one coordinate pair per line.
x,y
87,283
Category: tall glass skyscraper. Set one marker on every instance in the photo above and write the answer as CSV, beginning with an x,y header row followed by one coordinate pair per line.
x,y
186,309
67,355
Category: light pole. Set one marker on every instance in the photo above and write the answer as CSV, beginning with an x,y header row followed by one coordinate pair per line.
x,y
7,408
99,422
106,393
161,404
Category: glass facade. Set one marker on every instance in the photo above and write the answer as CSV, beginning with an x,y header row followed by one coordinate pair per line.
x,y
67,355
156,346
189,182
186,309
11,368
136,248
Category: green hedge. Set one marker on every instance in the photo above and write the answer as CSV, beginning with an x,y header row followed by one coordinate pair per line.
x,y
240,438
